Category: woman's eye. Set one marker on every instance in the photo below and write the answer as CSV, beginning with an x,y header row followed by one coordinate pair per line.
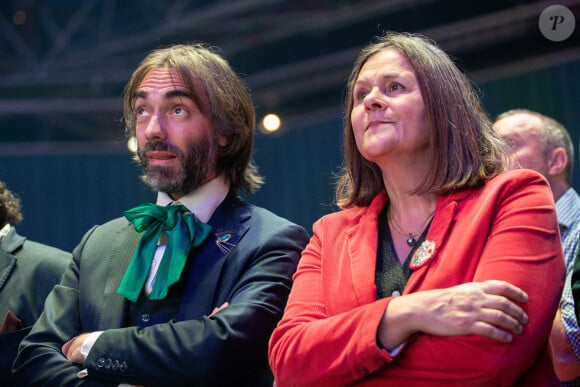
x,y
360,95
395,86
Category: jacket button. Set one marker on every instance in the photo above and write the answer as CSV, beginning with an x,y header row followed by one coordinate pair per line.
x,y
108,364
145,317
123,367
100,362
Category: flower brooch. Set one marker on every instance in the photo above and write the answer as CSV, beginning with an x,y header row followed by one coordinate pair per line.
x,y
423,254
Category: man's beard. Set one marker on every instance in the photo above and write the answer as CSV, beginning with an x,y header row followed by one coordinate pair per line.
x,y
192,172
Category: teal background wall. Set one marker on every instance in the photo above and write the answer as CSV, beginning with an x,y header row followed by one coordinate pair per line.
x,y
65,192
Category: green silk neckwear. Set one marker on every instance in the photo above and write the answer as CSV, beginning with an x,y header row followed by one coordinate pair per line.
x,y
184,232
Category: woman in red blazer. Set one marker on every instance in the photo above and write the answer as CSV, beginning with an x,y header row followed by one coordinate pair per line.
x,y
442,268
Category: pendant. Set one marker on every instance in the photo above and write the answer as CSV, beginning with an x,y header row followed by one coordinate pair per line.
x,y
411,241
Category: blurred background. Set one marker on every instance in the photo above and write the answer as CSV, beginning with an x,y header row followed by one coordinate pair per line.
x,y
64,63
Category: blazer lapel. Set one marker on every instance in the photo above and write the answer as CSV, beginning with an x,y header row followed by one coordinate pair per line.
x,y
10,243
114,305
428,252
229,224
7,264
362,246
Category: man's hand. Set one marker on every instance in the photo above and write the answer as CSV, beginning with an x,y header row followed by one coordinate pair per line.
x,y
72,349
217,309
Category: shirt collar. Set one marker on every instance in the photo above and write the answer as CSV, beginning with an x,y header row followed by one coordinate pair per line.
x,y
4,231
204,200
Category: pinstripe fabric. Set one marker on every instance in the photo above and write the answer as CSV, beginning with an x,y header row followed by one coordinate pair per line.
x,y
568,210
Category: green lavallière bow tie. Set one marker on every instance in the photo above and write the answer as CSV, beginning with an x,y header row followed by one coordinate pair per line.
x,y
184,232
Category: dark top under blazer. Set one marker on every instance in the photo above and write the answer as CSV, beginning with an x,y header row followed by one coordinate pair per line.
x,y
252,271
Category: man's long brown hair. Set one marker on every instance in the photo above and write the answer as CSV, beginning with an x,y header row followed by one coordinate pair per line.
x,y
220,94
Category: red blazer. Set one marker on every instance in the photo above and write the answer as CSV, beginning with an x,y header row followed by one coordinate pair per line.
x,y
506,229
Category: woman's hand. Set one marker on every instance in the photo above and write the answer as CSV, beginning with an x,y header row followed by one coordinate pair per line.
x,y
487,309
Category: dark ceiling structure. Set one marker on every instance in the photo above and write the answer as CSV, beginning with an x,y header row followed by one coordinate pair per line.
x,y
64,63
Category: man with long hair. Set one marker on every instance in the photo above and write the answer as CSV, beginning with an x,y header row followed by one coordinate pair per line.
x,y
188,290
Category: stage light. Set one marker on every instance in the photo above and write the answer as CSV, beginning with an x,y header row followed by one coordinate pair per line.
x,y
271,123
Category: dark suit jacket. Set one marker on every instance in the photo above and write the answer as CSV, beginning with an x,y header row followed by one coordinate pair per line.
x,y
28,272
248,261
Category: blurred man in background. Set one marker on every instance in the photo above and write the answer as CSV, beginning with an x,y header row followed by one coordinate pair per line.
x,y
543,144
28,272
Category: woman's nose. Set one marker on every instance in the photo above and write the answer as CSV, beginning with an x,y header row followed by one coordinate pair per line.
x,y
374,99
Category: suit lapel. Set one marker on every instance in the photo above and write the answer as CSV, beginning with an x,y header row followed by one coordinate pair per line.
x,y
10,243
7,264
229,224
114,305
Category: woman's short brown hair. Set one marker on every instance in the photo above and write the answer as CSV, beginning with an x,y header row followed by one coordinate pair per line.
x,y
464,149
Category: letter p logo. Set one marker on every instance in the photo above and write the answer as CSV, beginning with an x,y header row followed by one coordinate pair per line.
x,y
556,20
557,23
